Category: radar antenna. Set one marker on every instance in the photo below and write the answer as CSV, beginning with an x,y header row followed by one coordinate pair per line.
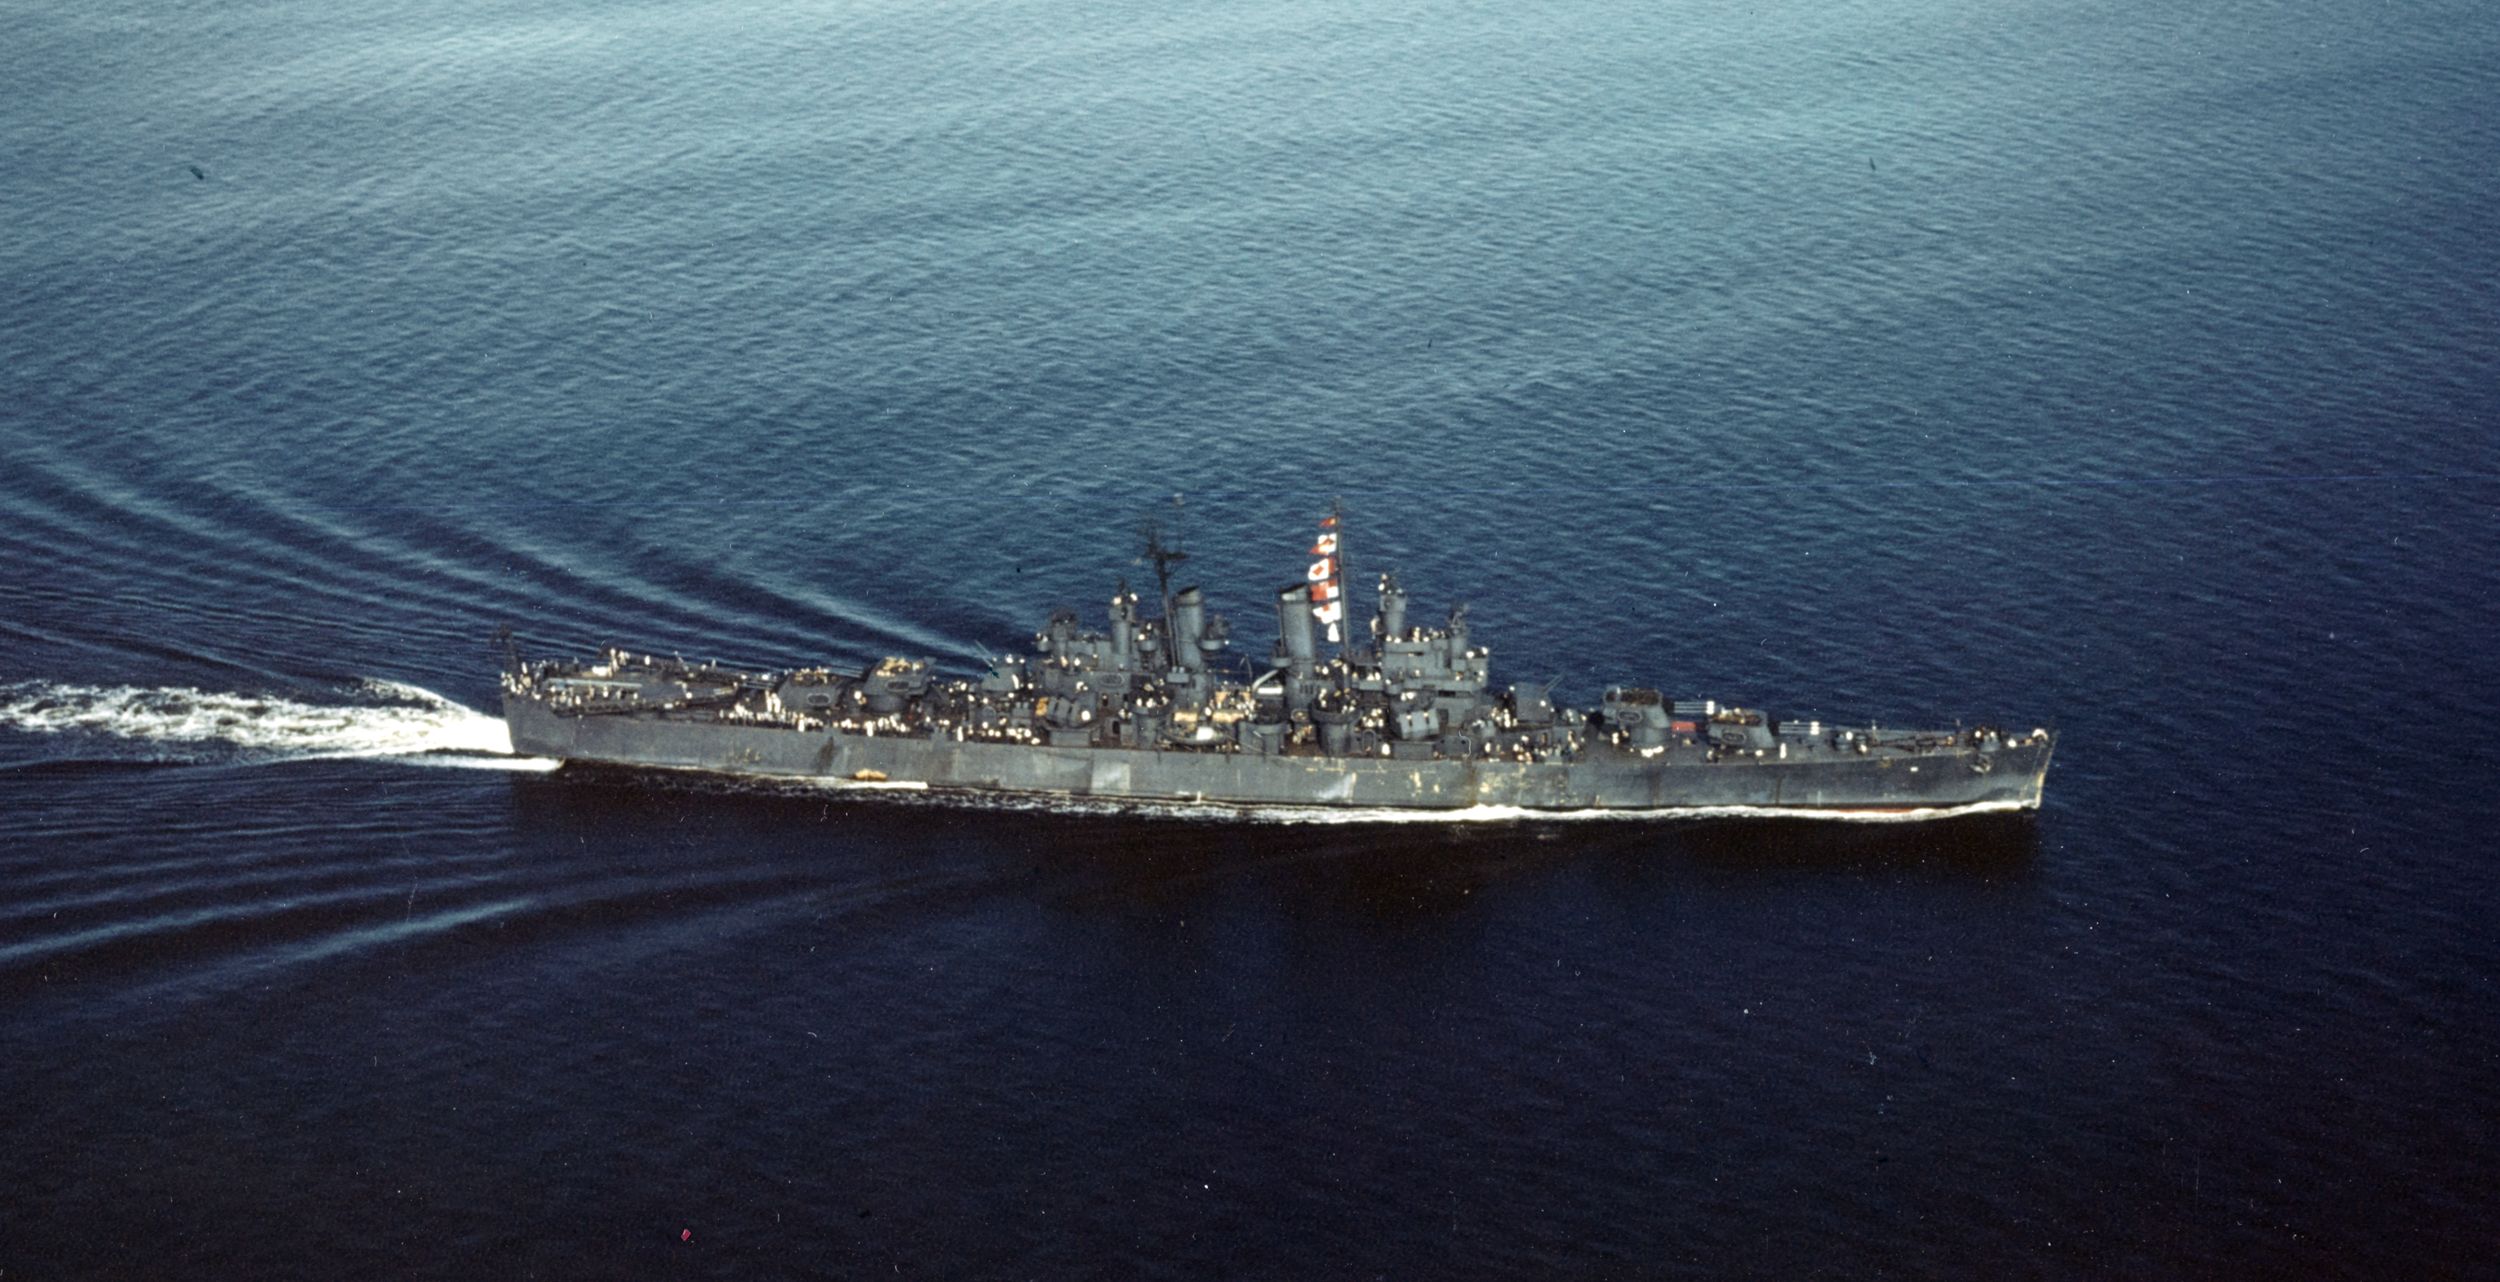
x,y
1164,556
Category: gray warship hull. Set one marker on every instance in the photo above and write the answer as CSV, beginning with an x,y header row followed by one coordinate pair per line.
x,y
1156,709
1809,780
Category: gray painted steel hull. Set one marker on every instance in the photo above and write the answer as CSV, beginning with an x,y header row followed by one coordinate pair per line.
x,y
1677,779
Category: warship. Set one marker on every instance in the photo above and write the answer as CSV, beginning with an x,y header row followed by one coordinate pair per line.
x,y
1159,710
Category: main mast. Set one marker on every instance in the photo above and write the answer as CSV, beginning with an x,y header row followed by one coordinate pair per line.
x,y
1165,558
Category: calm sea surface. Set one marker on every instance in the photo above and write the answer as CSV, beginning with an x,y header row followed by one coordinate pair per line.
x,y
2122,366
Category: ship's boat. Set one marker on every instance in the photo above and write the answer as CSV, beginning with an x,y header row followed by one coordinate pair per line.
x,y
1157,709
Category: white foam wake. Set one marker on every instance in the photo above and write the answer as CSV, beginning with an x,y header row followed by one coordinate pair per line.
x,y
371,719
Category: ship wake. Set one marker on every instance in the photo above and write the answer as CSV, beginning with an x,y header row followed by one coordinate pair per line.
x,y
179,724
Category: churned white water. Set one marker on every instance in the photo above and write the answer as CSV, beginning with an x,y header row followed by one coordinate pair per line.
x,y
370,719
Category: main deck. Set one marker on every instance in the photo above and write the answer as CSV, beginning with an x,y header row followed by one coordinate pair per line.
x,y
1943,774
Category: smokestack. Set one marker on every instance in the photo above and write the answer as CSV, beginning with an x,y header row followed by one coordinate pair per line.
x,y
1293,628
1189,627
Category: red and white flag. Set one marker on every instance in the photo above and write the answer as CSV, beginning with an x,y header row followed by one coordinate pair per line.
x,y
1327,581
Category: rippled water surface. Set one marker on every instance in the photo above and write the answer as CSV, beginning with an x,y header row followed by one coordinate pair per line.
x,y
2122,367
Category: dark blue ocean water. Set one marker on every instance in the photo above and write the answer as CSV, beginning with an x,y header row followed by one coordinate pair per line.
x,y
2127,367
